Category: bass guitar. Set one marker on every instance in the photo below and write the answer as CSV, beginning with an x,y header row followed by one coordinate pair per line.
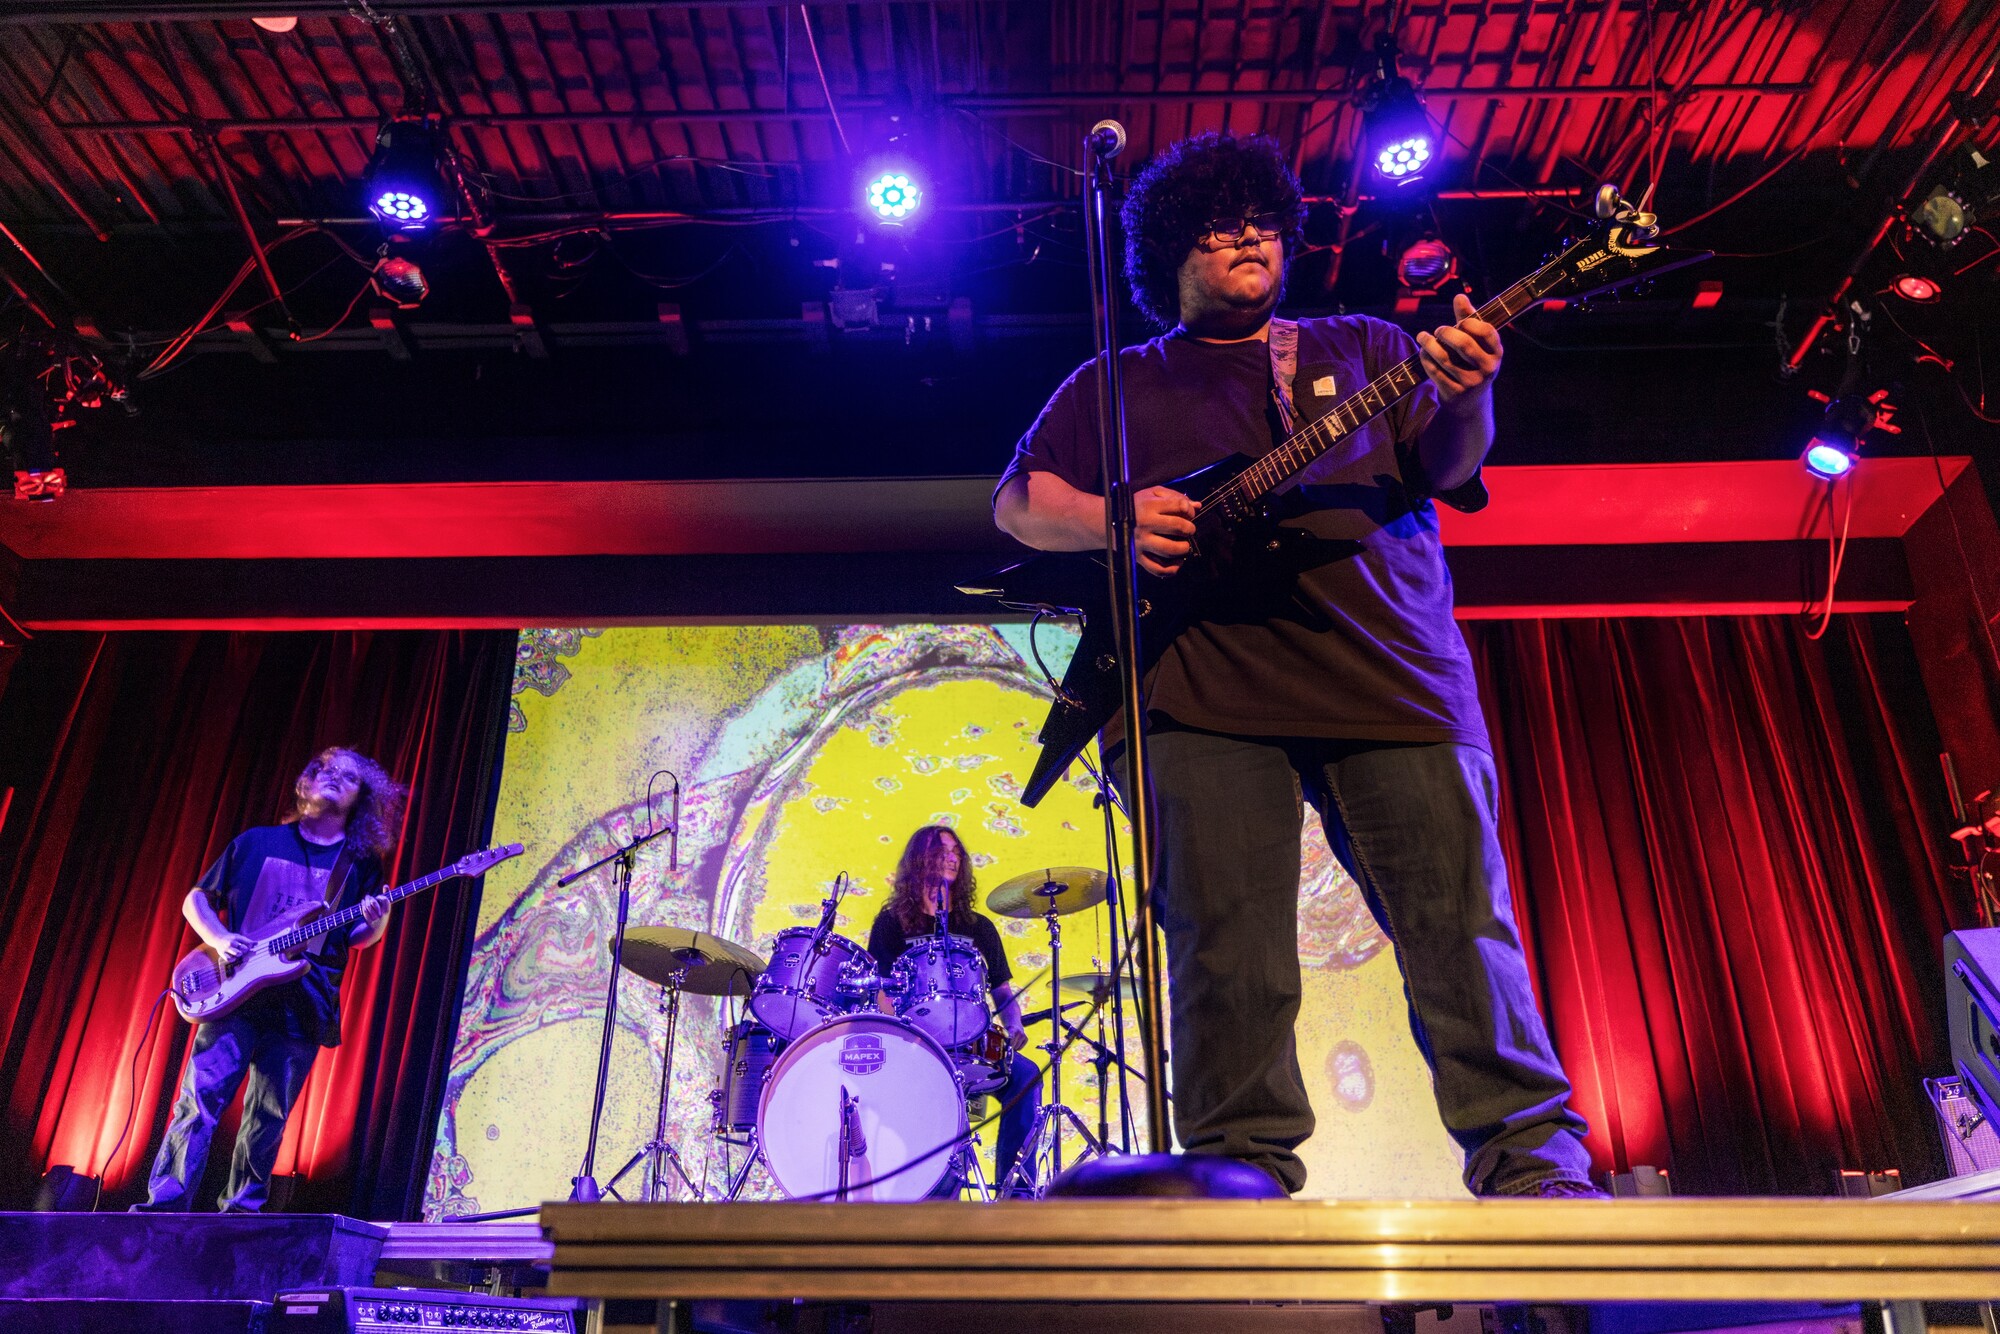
x,y
1239,542
205,987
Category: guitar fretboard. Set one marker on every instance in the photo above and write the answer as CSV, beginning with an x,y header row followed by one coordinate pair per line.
x,y
347,917
1306,445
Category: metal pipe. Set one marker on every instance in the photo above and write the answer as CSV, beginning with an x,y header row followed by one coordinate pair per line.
x,y
214,153
999,104
782,214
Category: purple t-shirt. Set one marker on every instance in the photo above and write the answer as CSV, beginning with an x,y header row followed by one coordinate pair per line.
x,y
1361,648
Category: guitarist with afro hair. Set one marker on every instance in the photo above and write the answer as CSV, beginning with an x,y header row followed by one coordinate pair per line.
x,y
1340,679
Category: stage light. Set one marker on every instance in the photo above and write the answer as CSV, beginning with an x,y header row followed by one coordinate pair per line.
x,y
1943,217
1827,459
28,434
1403,158
1396,132
1425,266
404,187
401,283
1836,446
1915,287
277,23
894,196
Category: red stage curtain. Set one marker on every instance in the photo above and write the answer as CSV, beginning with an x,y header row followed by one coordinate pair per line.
x,y
134,759
1727,845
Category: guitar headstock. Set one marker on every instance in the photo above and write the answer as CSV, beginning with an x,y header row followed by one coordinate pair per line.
x,y
1623,248
479,863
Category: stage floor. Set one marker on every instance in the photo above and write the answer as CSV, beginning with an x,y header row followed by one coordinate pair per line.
x,y
1486,1251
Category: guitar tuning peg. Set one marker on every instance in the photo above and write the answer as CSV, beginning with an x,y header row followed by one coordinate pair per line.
x,y
1607,203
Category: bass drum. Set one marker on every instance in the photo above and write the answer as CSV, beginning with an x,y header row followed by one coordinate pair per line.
x,y
906,1102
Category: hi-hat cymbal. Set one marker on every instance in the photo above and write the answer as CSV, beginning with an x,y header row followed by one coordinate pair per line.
x,y
709,965
1071,888
1086,984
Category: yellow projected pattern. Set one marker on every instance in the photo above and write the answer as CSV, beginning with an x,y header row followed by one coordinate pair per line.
x,y
805,752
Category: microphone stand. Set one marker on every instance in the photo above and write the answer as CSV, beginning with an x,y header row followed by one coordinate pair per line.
x,y
1103,143
583,1186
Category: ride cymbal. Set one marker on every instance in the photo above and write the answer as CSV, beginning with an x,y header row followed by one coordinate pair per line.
x,y
708,965
1069,888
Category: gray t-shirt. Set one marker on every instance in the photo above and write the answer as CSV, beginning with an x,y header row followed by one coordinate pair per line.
x,y
1363,647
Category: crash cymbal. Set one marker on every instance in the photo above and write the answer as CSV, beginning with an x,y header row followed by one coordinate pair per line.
x,y
1086,984
714,966
1073,888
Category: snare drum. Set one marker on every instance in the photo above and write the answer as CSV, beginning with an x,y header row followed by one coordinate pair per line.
x,y
985,1063
798,990
906,1103
940,986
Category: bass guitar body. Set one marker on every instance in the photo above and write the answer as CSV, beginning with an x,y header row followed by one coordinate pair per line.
x,y
204,987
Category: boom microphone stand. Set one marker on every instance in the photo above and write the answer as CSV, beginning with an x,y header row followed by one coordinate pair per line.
x,y
1104,142
583,1187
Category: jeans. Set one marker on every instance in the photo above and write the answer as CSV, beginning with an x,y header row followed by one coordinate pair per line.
x,y
225,1051
1416,826
1022,1079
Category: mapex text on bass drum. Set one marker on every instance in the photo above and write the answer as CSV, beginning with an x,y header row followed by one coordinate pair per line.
x,y
905,1104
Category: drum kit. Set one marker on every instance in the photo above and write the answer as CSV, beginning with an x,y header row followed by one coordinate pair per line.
x,y
850,1085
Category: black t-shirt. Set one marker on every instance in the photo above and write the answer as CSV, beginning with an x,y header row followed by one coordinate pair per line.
x,y
887,941
266,873
1361,648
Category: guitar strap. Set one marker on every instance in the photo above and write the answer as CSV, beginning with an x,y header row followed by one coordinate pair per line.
x,y
336,878
1284,370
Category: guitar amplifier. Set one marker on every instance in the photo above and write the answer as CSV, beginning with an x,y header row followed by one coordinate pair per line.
x,y
336,1310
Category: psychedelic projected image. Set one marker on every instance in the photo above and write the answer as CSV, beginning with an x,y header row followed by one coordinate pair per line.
x,y
805,752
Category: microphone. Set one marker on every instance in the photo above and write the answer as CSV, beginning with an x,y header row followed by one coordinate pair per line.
x,y
1106,139
674,839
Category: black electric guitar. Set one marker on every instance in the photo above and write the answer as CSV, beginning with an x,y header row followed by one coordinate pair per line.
x,y
1239,543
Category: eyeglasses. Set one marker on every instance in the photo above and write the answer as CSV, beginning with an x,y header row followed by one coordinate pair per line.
x,y
347,776
1230,231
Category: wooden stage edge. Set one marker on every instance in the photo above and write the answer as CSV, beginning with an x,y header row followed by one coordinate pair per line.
x,y
1540,1251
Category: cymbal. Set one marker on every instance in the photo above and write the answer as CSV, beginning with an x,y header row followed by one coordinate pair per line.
x,y
1027,895
713,966
1086,984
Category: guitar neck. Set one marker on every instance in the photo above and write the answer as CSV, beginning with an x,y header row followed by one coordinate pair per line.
x,y
1310,442
347,917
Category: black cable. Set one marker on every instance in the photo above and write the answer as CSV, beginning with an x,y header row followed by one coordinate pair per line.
x,y
132,1108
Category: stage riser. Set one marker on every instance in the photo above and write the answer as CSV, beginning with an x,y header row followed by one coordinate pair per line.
x,y
181,1257
133,1317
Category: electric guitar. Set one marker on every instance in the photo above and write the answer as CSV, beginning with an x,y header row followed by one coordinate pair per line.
x,y
1239,543
205,987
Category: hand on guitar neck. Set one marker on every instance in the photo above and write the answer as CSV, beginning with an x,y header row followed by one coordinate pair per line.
x,y
233,946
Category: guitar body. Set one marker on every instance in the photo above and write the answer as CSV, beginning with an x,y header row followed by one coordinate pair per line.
x,y
206,988
1233,550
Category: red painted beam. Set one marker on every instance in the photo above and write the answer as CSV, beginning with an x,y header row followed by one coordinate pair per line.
x,y
1592,505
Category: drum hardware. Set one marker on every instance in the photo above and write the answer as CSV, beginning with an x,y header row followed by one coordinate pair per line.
x,y
1063,890
680,961
583,1186
658,1153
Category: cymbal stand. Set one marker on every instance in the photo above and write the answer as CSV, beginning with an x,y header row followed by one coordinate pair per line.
x,y
659,1152
1051,1116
